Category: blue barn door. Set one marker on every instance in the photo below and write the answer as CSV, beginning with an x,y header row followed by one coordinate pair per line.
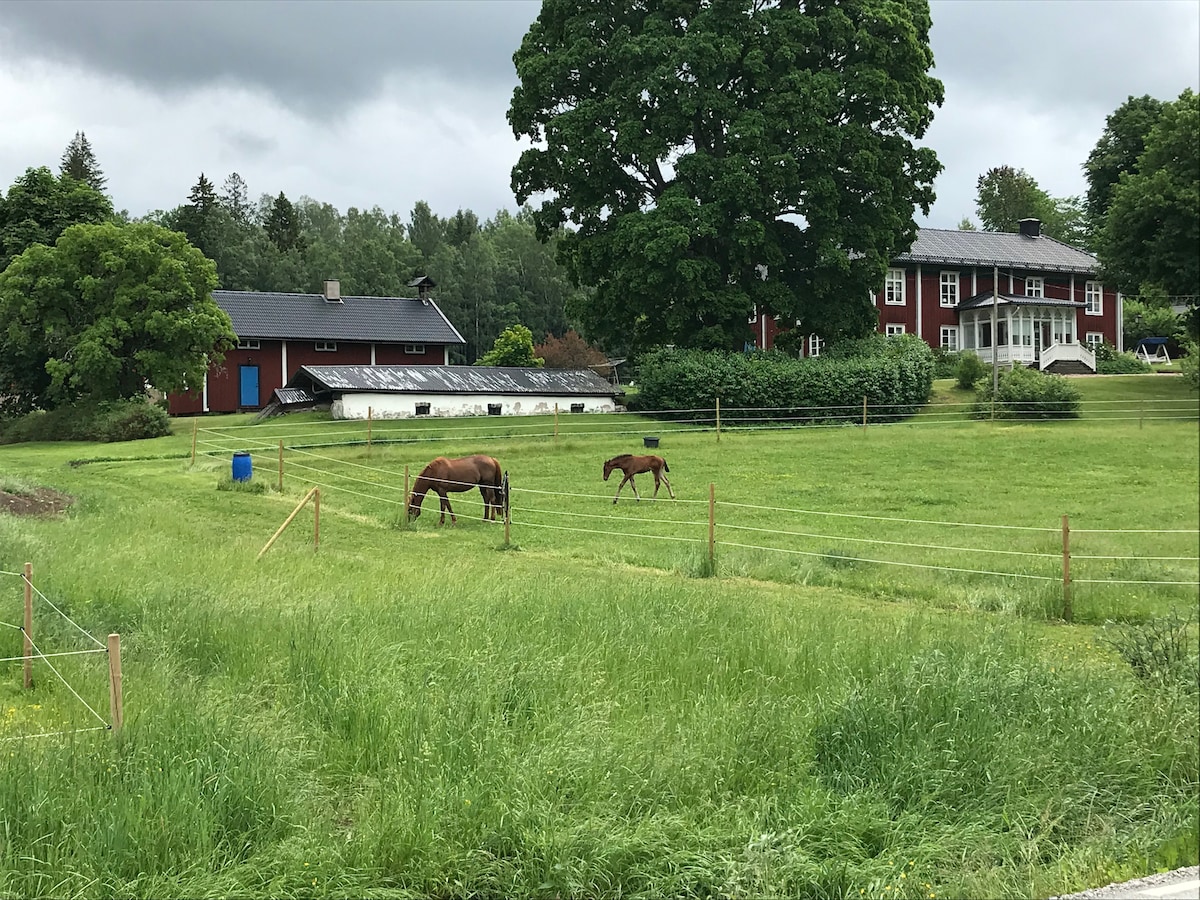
x,y
249,386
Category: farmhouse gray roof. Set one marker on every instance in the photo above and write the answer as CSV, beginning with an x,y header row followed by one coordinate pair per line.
x,y
452,380
310,317
985,299
992,248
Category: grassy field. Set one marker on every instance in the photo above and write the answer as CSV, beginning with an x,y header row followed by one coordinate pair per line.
x,y
596,710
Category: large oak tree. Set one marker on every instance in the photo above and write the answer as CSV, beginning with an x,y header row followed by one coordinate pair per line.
x,y
710,155
105,311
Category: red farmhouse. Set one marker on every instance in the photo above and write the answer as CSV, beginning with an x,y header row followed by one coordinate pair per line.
x,y
279,333
1050,309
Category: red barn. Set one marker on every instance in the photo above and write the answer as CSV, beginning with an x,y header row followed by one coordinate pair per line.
x,y
278,333
1050,308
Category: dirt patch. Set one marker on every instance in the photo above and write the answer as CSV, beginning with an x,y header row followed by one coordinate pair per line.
x,y
41,503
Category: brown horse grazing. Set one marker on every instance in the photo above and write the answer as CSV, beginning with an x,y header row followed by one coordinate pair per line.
x,y
444,475
636,465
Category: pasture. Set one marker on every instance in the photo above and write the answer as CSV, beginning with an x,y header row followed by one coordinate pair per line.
x,y
870,692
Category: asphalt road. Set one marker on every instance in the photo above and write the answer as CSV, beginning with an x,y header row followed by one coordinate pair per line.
x,y
1182,884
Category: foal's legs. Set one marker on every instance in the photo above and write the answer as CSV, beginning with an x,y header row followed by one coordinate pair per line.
x,y
663,477
632,485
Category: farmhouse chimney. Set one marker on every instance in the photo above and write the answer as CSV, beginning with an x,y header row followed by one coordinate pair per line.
x,y
1031,227
424,285
333,291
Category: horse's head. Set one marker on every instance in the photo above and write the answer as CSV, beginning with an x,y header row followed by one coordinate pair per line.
x,y
414,506
608,467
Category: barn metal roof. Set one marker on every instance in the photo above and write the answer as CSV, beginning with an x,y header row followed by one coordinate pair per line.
x,y
992,248
452,380
985,299
384,320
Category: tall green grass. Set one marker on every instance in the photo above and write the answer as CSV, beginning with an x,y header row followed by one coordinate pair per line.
x,y
416,713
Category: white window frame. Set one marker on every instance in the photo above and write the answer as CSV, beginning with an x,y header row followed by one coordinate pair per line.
x,y
894,277
815,345
1093,295
1093,339
249,344
949,338
414,349
894,329
325,346
949,289
1035,286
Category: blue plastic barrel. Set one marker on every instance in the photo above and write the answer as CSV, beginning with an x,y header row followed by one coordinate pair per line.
x,y
241,465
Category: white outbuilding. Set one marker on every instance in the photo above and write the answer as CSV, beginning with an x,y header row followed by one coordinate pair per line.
x,y
402,392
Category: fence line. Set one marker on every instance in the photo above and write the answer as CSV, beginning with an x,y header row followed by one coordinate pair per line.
x,y
18,574
556,512
61,653
657,537
1117,581
1153,558
22,737
886,562
42,656
65,616
810,512
829,537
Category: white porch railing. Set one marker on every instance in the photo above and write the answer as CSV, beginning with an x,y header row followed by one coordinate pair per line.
x,y
1067,353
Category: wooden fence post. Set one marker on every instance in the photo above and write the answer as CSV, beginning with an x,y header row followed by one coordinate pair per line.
x,y
28,625
316,518
1066,559
195,426
712,521
286,522
864,412
718,420
116,700
555,424
368,432
407,501
281,467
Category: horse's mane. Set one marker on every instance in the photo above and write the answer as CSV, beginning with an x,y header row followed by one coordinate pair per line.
x,y
621,456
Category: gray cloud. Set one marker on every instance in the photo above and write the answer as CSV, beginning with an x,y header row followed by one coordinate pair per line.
x,y
314,58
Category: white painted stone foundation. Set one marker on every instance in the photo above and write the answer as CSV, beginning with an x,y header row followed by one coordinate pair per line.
x,y
404,406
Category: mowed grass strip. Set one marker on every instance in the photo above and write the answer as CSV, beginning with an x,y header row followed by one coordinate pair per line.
x,y
420,713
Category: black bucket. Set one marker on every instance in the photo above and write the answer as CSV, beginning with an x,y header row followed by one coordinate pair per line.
x,y
650,442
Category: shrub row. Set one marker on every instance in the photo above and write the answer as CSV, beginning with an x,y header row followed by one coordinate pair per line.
x,y
121,420
1110,361
1029,394
893,373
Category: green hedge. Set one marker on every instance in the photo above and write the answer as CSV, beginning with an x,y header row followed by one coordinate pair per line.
x,y
1110,361
1029,394
123,420
895,374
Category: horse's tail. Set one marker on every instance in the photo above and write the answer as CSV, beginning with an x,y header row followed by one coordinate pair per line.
x,y
666,468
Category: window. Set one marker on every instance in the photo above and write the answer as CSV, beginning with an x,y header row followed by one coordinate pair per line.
x,y
950,337
1093,339
815,344
949,289
494,409
414,349
422,409
1093,295
326,346
576,407
249,345
1035,286
893,287
894,329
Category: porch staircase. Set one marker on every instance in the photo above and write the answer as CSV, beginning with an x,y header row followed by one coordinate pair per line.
x,y
1069,367
1068,359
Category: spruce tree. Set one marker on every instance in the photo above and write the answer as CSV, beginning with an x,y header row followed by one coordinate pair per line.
x,y
283,226
79,162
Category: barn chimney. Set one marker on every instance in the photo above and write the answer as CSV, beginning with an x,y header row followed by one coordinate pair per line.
x,y
333,291
424,284
1031,227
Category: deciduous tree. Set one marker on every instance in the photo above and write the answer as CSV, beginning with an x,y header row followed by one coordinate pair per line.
x,y
1151,235
568,352
514,347
39,207
104,312
1117,151
714,156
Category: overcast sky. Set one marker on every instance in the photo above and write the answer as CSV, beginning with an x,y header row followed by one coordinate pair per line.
x,y
387,103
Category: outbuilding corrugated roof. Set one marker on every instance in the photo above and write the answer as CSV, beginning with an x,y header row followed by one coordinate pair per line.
x,y
452,380
385,320
992,248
